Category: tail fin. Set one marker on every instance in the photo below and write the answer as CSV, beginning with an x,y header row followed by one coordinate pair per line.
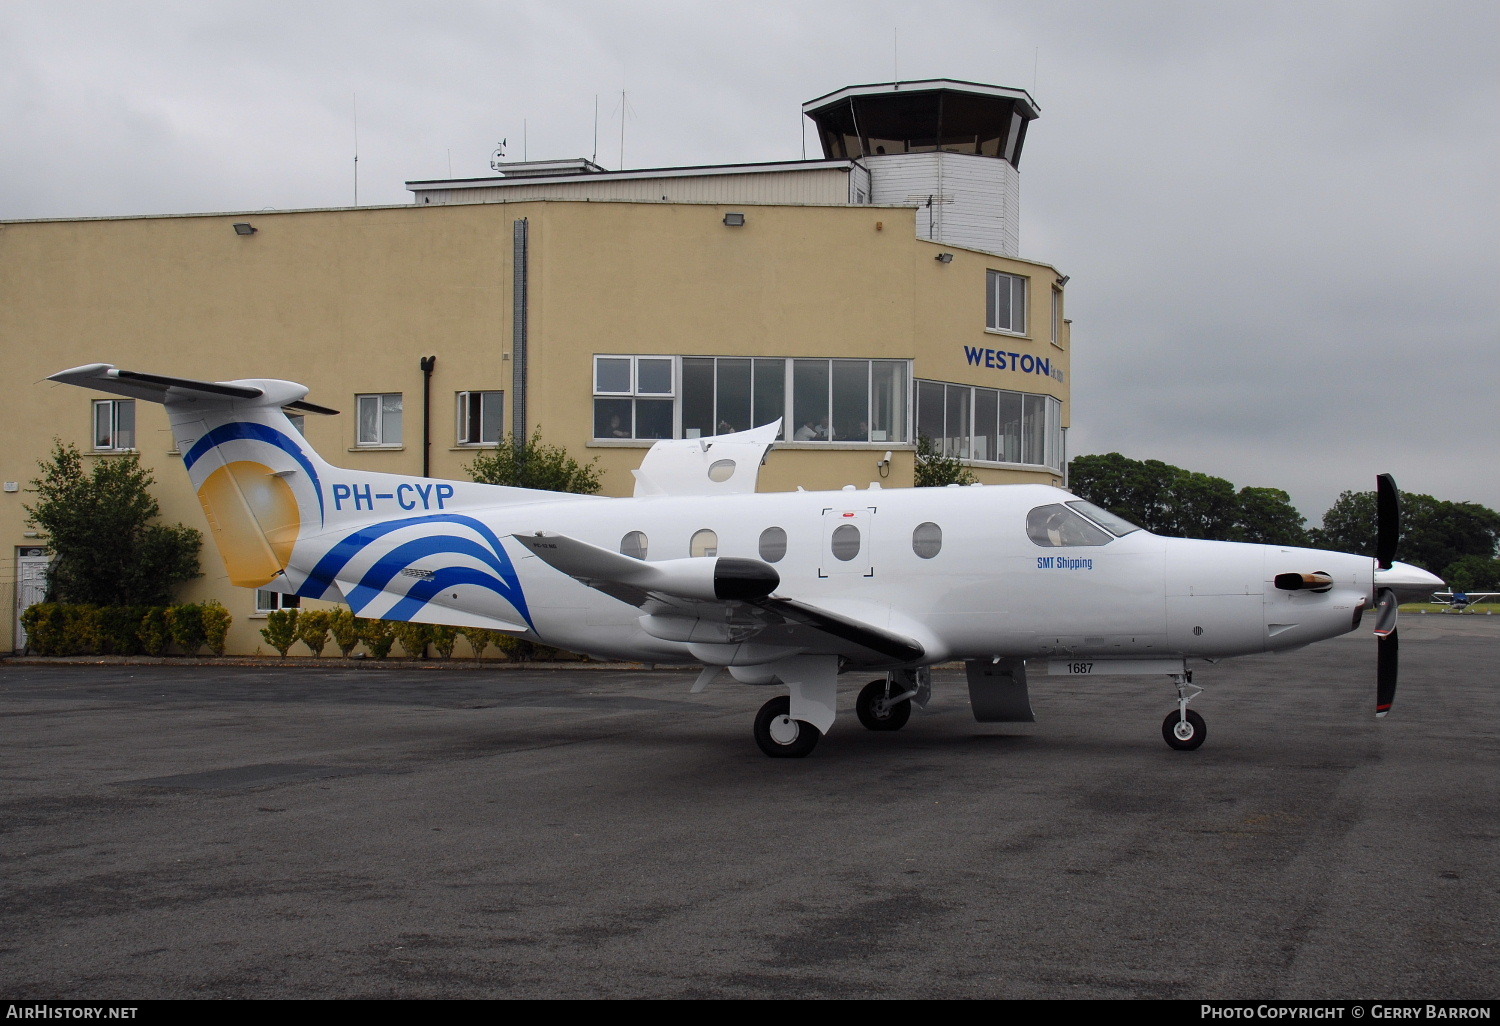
x,y
258,480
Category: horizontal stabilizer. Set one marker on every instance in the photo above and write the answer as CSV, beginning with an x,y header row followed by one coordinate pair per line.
x,y
162,388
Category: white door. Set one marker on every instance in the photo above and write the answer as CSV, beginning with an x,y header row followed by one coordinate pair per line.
x,y
31,584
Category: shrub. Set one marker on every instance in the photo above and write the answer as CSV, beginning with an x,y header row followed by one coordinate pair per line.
x,y
443,638
46,626
378,636
413,638
280,630
153,631
119,629
345,628
82,634
185,623
480,638
312,629
216,621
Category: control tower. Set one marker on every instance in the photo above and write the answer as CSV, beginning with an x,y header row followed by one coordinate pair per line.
x,y
952,148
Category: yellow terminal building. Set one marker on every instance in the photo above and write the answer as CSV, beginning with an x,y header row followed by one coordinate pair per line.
x,y
865,299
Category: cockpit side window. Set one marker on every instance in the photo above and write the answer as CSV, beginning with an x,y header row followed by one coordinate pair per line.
x,y
1056,526
1117,526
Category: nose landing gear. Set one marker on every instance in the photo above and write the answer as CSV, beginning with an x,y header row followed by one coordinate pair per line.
x,y
1184,729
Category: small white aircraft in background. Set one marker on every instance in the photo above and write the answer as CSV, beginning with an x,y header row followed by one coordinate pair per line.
x,y
789,588
1458,601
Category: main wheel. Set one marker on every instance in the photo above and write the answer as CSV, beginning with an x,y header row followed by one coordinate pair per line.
x,y
1184,735
877,714
780,736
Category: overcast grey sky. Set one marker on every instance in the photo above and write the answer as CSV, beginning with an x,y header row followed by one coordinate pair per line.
x,y
1281,219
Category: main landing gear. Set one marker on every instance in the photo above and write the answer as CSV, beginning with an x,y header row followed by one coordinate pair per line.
x,y
1184,729
884,705
780,736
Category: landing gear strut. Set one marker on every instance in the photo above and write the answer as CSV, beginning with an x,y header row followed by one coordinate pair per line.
x,y
1184,729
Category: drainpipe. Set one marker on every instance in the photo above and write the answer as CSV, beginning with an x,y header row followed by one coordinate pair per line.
x,y
427,363
520,272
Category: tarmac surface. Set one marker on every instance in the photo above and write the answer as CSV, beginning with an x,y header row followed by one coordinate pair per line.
x,y
196,831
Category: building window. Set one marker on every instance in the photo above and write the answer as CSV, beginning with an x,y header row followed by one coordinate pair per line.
x,y
1057,316
299,421
114,424
379,419
270,601
817,400
1006,303
991,425
633,397
480,417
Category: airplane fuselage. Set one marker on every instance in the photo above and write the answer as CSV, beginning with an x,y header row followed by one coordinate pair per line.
x,y
955,570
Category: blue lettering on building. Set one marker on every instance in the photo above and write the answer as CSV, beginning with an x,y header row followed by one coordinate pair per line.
x,y
1024,363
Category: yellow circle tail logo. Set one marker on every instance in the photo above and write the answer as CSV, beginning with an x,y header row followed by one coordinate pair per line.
x,y
254,518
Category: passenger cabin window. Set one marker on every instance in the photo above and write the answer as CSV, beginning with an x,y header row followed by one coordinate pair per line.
x,y
704,543
772,544
634,545
1057,526
927,540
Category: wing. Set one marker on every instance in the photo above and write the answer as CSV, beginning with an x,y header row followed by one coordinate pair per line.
x,y
719,600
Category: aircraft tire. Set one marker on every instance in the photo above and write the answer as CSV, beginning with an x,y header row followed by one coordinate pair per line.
x,y
773,724
894,717
1190,738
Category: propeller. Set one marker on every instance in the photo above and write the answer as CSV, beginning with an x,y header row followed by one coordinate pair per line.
x,y
1387,534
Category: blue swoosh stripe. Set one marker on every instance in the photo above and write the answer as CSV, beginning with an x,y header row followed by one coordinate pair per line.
x,y
257,432
339,556
403,556
421,592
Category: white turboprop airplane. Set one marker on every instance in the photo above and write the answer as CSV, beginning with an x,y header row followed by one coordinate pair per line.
x,y
789,588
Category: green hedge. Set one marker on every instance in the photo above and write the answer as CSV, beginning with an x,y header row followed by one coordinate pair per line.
x,y
57,629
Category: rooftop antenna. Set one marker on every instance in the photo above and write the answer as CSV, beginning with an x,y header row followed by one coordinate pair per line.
x,y
497,158
595,158
895,58
525,148
356,149
624,110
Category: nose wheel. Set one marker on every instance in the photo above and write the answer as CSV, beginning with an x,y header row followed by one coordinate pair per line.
x,y
1184,734
1184,729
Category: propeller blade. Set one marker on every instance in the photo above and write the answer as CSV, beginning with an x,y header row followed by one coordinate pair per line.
x,y
1385,613
1388,660
1387,520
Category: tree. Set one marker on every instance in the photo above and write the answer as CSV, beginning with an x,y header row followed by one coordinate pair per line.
x,y
106,549
1178,503
1435,534
1473,573
934,469
532,463
1267,516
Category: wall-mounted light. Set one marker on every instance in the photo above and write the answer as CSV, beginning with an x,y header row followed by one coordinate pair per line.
x,y
1062,281
734,220
242,228
944,258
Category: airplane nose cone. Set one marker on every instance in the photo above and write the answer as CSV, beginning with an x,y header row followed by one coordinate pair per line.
x,y
1410,583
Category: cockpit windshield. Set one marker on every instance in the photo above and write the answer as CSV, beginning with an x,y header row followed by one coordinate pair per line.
x,y
1117,526
1057,526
